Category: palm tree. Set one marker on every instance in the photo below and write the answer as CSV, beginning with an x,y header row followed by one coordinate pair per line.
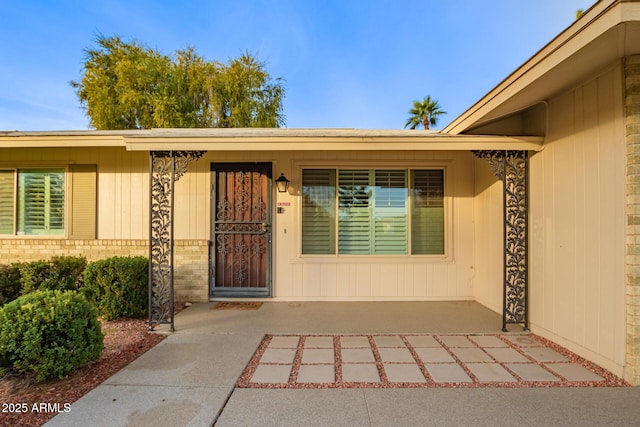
x,y
424,113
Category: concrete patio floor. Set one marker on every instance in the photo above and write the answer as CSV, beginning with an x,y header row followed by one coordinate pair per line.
x,y
190,378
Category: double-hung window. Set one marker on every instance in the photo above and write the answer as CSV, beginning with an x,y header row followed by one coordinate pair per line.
x,y
373,211
32,202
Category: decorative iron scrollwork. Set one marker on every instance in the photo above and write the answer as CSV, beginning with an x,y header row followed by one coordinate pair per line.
x,y
166,167
511,167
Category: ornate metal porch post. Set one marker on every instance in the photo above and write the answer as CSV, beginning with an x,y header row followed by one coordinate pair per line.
x,y
165,168
512,168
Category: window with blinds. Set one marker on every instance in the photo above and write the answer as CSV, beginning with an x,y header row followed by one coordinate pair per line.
x,y
427,211
354,212
7,197
390,216
318,211
40,202
32,202
373,214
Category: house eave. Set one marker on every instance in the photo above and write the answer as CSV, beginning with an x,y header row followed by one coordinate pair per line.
x,y
268,140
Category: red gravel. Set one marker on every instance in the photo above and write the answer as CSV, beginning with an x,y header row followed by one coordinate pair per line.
x,y
124,341
608,378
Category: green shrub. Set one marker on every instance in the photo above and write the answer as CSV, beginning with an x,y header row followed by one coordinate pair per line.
x,y
9,283
33,274
118,286
49,333
61,273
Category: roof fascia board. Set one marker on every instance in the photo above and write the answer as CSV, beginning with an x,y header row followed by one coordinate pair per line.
x,y
60,141
431,143
268,140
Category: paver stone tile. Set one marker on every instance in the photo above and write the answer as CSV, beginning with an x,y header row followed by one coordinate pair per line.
x,y
389,341
284,342
490,372
523,341
350,355
404,373
316,374
360,373
354,341
488,341
278,355
574,372
448,373
276,374
422,341
471,354
544,354
506,355
434,355
456,341
318,355
531,372
318,342
396,355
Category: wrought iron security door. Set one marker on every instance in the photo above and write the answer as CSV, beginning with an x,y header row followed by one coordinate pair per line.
x,y
241,229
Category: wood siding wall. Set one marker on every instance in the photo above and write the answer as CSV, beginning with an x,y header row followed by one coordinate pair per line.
x,y
299,277
122,184
577,234
488,239
122,214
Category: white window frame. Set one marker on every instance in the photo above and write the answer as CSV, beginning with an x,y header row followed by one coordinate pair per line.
x,y
445,165
34,167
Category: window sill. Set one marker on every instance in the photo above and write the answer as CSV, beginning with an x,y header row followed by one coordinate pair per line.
x,y
372,259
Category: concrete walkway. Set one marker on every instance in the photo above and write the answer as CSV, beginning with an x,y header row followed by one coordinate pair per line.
x,y
189,378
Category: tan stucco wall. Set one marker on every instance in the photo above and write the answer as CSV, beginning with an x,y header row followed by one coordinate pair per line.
x,y
577,217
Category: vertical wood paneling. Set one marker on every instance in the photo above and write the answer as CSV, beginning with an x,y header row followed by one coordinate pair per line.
x,y
420,280
409,278
592,230
343,280
363,280
607,308
440,280
579,214
375,279
128,195
577,192
549,248
388,280
537,235
488,230
565,250
122,185
310,285
119,216
332,280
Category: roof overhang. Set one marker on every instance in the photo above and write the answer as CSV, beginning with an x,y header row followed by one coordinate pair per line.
x,y
608,31
259,139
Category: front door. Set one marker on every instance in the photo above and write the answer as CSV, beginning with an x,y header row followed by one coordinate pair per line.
x,y
241,229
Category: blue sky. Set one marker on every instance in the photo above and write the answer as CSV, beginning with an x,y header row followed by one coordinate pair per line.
x,y
347,63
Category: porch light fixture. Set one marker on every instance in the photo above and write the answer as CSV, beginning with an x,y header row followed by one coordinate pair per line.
x,y
282,183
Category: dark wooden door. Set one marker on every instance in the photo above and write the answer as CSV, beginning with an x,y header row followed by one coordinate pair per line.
x,y
241,229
